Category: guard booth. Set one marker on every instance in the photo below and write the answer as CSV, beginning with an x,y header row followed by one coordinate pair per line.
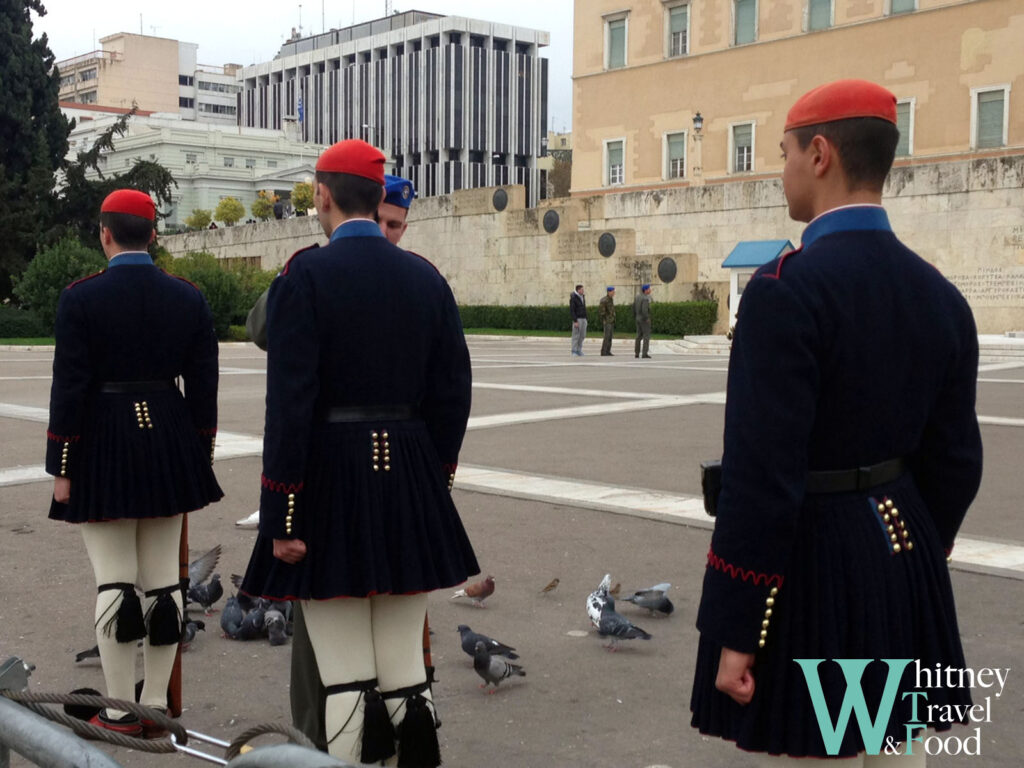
x,y
743,261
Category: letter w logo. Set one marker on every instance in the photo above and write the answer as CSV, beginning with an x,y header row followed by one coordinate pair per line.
x,y
871,732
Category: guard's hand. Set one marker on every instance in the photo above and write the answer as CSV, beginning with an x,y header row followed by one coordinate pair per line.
x,y
735,675
289,550
61,489
575,323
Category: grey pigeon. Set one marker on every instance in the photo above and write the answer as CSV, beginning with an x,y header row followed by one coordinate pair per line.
x,y
471,638
491,669
200,569
617,627
252,626
206,594
231,617
188,632
276,627
598,599
654,599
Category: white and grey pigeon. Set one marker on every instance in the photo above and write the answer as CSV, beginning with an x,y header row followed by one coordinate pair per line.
x,y
598,599
655,599
493,670
617,627
470,638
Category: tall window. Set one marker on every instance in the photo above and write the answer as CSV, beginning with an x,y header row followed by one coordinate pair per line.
x,y
903,6
675,155
678,22
615,43
229,162
990,118
745,14
819,14
614,152
743,147
905,124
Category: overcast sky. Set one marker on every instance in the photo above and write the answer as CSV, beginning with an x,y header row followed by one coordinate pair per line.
x,y
249,31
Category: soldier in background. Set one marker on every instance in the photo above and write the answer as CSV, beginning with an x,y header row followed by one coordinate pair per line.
x,y
642,313
606,311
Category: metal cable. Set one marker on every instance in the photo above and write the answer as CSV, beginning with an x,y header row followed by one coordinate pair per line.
x,y
294,735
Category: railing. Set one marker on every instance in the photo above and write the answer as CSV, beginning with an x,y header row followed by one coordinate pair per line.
x,y
74,61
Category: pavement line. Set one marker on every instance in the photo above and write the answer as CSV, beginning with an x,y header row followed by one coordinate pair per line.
x,y
583,411
565,390
1001,421
1001,381
969,554
988,367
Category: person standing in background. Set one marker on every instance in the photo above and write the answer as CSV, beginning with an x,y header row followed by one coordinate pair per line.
x,y
578,313
606,311
642,314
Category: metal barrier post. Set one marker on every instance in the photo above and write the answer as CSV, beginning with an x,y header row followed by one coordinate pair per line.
x,y
44,743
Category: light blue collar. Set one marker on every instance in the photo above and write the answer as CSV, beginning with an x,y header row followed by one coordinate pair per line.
x,y
356,228
130,258
846,219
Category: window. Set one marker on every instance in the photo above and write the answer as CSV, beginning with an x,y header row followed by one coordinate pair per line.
x,y
185,80
229,162
613,157
217,109
745,17
742,147
615,42
250,162
67,80
185,102
218,87
271,163
905,124
819,14
89,74
678,23
988,118
191,158
87,98
903,6
675,155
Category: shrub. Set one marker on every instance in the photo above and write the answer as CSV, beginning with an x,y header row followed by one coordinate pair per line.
x,y
17,323
40,285
236,333
229,210
200,219
222,288
686,318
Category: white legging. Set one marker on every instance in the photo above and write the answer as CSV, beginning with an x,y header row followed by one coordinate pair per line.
x,y
360,639
144,553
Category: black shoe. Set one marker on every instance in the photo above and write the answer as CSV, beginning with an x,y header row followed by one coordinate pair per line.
x,y
637,356
648,357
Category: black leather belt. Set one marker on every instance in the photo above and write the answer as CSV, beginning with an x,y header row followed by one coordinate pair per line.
x,y
127,387
859,479
371,413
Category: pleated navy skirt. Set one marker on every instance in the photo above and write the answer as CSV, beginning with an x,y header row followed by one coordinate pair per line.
x,y
126,471
848,595
369,532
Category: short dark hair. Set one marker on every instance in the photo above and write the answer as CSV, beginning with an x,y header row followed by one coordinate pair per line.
x,y
132,232
866,147
354,195
579,286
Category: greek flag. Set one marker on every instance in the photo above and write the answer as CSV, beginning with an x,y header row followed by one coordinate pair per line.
x,y
302,111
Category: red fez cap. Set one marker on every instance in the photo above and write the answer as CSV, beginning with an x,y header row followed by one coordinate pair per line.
x,y
130,201
842,100
353,156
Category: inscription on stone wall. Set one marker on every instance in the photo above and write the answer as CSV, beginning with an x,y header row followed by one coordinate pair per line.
x,y
992,286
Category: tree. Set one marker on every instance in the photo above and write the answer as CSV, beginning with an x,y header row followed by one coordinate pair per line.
x,y
302,197
263,206
229,210
222,288
53,268
560,177
200,219
33,137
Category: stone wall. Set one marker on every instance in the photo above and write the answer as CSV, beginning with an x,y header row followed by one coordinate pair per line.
x,y
966,217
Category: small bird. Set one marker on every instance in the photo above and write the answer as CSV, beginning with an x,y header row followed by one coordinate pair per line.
x,y
617,627
654,599
493,670
276,627
252,626
598,599
188,632
206,594
93,653
551,586
231,617
471,638
478,591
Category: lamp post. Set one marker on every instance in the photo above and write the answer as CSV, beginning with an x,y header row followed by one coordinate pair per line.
x,y
698,125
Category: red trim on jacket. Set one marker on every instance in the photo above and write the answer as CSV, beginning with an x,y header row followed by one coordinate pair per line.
x,y
714,561
210,431
62,438
287,264
279,487
782,260
83,279
418,256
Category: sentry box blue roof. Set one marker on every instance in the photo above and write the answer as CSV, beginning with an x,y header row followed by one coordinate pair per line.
x,y
754,253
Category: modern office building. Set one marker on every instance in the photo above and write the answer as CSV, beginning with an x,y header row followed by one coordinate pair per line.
x,y
455,103
158,74
674,92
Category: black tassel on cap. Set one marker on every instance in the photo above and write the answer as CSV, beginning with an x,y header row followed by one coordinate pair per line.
x,y
417,736
378,741
128,620
163,617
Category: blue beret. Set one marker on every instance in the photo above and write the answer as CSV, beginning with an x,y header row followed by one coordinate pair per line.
x,y
610,288
645,286
398,191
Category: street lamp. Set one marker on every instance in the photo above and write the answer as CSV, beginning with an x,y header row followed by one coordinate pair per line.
x,y
698,125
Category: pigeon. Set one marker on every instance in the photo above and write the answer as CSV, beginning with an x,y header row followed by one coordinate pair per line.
x,y
478,591
206,594
618,627
276,627
93,653
188,632
654,599
598,599
551,586
252,626
200,569
471,638
231,617
493,670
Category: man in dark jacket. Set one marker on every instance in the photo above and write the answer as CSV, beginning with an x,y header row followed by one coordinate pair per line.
x,y
578,313
642,315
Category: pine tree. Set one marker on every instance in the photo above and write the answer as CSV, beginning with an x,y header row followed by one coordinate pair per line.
x,y
33,136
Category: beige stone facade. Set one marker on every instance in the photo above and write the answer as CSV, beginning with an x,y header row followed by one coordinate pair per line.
x,y
956,67
963,216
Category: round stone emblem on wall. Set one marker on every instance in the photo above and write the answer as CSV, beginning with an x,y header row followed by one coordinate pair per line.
x,y
667,269
500,199
551,222
606,244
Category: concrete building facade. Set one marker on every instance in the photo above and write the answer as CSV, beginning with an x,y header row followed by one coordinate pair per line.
x,y
158,74
455,103
644,69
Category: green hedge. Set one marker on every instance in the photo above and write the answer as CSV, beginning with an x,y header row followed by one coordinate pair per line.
x,y
17,323
684,318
